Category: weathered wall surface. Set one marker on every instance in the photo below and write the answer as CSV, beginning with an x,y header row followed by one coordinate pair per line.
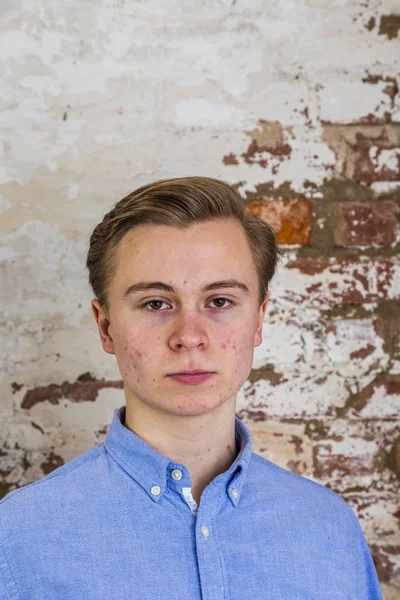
x,y
295,103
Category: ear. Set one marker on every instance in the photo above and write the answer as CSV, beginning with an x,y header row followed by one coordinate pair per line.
x,y
263,308
104,326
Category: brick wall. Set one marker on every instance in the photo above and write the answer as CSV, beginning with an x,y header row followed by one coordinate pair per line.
x,y
330,392
296,104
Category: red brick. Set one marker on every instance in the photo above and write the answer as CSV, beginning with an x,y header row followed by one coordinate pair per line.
x,y
335,457
334,283
230,159
84,389
376,161
387,564
369,404
268,147
373,224
352,339
376,511
389,25
290,219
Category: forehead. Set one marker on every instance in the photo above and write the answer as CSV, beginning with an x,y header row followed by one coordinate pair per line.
x,y
155,252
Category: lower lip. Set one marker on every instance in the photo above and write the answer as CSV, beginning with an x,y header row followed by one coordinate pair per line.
x,y
199,378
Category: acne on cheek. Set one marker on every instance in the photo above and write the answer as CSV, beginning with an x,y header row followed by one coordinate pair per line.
x,y
243,354
130,359
225,345
124,354
229,343
236,340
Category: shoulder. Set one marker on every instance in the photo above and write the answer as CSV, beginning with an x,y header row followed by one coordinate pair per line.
x,y
31,503
298,491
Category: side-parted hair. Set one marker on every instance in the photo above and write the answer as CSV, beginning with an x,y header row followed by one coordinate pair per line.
x,y
178,202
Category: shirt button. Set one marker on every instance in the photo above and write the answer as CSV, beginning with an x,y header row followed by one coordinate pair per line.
x,y
155,490
176,474
204,531
235,493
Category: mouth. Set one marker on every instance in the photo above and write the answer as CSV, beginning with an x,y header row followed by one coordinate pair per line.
x,y
190,373
191,378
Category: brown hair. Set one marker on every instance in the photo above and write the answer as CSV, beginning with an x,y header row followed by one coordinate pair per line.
x,y
178,202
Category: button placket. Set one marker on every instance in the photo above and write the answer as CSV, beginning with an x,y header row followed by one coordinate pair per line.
x,y
205,531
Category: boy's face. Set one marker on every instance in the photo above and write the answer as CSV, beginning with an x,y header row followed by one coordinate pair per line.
x,y
187,330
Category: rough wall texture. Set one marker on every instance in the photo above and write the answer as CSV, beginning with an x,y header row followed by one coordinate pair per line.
x,y
297,104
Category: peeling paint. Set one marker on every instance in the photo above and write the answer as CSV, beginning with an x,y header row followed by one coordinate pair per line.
x,y
389,25
141,92
84,389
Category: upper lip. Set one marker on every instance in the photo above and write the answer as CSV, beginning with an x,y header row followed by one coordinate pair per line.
x,y
195,372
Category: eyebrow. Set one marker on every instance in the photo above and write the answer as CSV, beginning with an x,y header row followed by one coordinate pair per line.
x,y
142,286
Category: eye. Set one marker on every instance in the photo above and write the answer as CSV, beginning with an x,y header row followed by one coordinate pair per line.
x,y
162,302
225,300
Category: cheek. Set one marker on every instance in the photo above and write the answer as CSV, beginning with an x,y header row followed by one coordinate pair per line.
x,y
229,344
238,340
133,350
237,350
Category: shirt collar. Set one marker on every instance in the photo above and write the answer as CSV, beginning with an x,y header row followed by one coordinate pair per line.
x,y
150,468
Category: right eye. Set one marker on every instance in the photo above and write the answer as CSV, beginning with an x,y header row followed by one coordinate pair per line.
x,y
150,302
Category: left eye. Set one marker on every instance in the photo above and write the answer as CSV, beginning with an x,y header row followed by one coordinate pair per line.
x,y
162,302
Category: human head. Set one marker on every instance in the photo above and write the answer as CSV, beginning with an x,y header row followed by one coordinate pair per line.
x,y
184,233
178,202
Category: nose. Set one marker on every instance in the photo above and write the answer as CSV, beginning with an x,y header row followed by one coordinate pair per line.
x,y
189,331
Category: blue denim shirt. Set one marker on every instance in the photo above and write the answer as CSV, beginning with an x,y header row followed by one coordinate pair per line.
x,y
118,522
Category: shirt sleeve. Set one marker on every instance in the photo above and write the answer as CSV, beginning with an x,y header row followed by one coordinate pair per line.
x,y
369,576
4,592
4,595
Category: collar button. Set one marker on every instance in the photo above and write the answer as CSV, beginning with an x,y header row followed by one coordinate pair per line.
x,y
176,474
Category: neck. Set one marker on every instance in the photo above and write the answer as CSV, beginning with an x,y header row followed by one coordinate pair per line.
x,y
204,443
